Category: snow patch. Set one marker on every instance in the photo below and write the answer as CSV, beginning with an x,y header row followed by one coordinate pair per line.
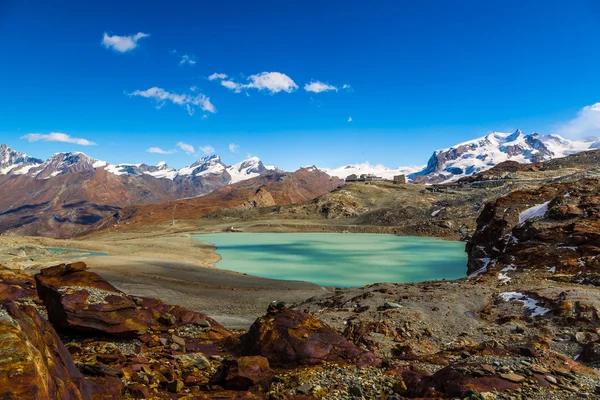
x,y
537,211
529,303
503,276
486,263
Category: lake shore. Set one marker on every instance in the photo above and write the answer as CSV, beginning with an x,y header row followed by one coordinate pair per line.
x,y
170,266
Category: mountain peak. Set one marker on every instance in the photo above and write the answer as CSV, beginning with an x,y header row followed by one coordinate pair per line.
x,y
12,160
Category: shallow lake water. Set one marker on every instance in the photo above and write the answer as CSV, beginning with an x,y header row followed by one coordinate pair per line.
x,y
339,259
75,253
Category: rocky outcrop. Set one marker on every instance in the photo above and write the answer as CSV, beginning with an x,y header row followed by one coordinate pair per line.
x,y
34,364
244,373
555,228
81,301
287,337
15,284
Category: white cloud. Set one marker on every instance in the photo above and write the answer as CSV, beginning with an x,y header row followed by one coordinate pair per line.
x,y
586,123
345,86
236,87
207,149
274,82
57,137
122,44
185,100
349,119
158,150
185,59
187,148
318,87
234,148
216,75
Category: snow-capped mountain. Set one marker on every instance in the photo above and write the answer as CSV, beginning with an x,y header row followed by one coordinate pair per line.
x,y
480,154
204,166
247,169
211,167
161,170
12,161
367,168
62,163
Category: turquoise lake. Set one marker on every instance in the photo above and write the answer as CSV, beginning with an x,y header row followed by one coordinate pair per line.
x,y
339,259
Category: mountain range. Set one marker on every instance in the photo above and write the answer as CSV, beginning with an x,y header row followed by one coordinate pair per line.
x,y
477,155
13,162
483,153
69,193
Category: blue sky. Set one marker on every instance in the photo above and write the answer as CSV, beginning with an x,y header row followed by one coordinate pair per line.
x,y
412,76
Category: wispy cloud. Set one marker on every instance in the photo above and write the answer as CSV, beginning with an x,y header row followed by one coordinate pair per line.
x,y
187,148
349,119
318,87
216,76
57,137
184,58
122,44
188,101
586,123
234,148
274,82
207,149
346,86
158,150
236,87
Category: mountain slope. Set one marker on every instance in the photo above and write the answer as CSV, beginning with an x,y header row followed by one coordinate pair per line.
x,y
269,189
68,193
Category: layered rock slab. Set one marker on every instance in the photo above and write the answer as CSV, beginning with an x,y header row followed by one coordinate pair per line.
x,y
81,301
34,364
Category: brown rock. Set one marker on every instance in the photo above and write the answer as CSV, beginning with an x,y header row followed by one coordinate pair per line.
x,y
175,386
452,381
81,301
34,364
138,391
512,377
15,284
289,338
244,373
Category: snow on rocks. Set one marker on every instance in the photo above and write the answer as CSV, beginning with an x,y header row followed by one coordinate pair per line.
x,y
537,211
503,276
529,303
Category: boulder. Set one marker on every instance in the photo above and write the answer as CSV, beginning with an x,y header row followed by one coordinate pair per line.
x,y
34,364
81,301
244,373
453,381
289,338
15,284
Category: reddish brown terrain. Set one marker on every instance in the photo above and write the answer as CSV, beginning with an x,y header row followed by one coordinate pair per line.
x,y
77,203
269,189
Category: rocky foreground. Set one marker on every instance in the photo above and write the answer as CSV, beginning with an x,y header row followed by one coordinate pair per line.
x,y
67,333
525,325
